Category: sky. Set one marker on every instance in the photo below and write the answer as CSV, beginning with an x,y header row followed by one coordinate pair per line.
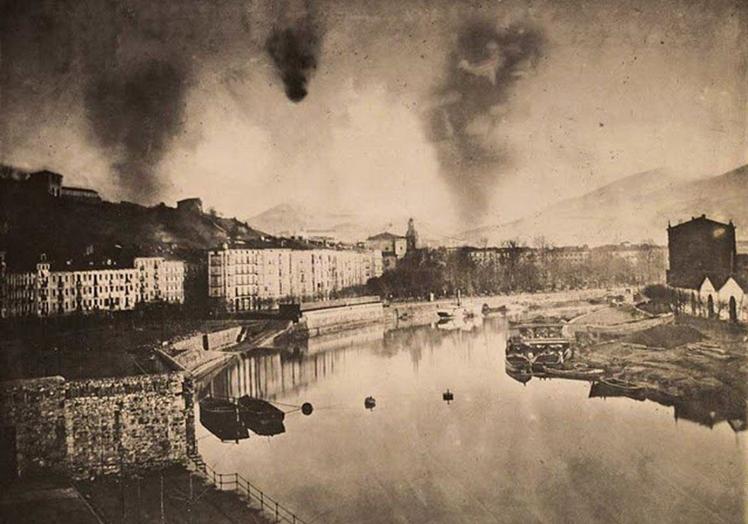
x,y
458,113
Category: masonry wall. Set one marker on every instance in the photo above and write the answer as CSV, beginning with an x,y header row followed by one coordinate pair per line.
x,y
323,321
125,424
98,426
35,410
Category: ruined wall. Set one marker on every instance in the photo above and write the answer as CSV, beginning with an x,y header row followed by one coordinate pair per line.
x,y
125,424
98,426
34,411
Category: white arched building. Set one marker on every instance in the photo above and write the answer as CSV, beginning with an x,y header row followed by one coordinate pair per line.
x,y
726,299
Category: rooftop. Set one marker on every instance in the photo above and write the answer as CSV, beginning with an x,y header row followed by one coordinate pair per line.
x,y
701,220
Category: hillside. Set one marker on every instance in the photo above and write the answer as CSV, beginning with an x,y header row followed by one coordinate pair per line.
x,y
636,208
63,228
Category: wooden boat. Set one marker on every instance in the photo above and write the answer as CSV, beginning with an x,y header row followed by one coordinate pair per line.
x,y
257,408
221,418
455,312
613,387
614,382
575,374
219,406
517,360
521,374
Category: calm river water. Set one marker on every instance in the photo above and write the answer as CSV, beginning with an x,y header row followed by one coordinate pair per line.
x,y
500,452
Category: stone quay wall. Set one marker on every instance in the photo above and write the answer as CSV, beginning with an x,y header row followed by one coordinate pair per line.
x,y
95,427
331,320
203,349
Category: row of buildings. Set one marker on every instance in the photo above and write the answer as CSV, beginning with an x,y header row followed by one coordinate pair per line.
x,y
242,279
51,290
239,279
706,270
574,255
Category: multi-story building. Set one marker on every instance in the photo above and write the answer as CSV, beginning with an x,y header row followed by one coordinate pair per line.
x,y
160,279
388,243
242,279
45,291
699,247
566,254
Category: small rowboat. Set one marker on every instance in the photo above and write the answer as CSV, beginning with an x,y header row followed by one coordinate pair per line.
x,y
259,409
575,374
617,383
615,387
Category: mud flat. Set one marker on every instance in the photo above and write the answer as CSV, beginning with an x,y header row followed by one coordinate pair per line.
x,y
685,359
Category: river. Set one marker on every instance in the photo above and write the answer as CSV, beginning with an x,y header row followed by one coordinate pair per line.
x,y
501,451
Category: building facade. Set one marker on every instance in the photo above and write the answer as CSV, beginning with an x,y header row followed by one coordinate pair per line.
x,y
160,279
46,292
388,243
705,269
698,247
244,279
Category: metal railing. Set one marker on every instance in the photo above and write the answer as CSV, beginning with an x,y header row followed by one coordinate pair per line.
x,y
235,482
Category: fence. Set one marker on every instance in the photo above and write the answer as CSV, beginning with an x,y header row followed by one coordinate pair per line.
x,y
235,482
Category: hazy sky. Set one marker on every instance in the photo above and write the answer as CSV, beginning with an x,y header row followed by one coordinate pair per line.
x,y
455,112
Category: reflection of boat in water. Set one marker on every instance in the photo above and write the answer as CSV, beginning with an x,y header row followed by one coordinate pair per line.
x,y
259,409
221,418
614,387
464,323
264,427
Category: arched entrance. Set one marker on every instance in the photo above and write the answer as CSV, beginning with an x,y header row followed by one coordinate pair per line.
x,y
733,310
710,306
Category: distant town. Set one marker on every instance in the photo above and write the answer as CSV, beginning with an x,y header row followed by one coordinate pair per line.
x,y
233,271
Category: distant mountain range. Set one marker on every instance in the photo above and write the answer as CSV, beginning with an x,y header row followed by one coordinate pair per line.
x,y
295,218
636,208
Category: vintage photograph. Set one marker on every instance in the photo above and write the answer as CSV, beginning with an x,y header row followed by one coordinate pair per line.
x,y
373,261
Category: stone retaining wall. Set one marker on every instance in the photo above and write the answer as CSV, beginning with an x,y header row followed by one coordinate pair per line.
x,y
326,321
97,426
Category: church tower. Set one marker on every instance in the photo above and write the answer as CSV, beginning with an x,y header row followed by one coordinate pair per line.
x,y
412,236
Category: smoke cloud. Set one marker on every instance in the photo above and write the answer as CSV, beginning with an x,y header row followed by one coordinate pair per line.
x,y
133,113
293,46
471,103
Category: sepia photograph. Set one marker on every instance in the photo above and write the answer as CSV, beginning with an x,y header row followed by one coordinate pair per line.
x,y
373,261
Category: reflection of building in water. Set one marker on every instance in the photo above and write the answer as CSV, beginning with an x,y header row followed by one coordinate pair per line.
x,y
270,374
706,410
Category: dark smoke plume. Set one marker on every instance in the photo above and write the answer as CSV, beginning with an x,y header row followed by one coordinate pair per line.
x,y
294,50
133,114
471,103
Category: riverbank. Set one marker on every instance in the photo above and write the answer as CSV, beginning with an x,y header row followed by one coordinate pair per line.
x,y
174,494
680,359
561,304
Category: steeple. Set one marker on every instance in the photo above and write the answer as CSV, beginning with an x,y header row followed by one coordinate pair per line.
x,y
412,236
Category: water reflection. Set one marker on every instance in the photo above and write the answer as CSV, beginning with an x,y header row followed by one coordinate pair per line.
x,y
545,452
